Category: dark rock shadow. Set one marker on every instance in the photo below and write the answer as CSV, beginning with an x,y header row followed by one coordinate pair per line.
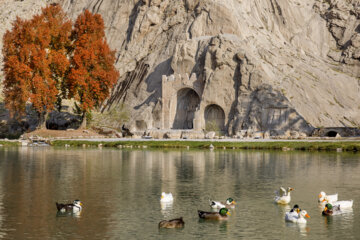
x,y
154,82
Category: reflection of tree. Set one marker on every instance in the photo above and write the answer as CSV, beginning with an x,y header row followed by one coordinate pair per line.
x,y
118,180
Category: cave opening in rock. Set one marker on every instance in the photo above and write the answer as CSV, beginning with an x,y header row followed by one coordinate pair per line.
x,y
331,134
141,125
214,118
187,103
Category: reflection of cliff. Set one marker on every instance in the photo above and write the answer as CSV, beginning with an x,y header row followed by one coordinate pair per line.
x,y
113,184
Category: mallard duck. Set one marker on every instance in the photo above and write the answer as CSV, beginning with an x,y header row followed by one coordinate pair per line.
x,y
283,196
330,198
173,223
292,213
221,215
330,210
76,206
229,203
166,197
297,218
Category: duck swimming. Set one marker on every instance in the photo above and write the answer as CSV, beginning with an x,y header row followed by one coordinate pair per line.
x,y
229,203
330,210
283,196
173,223
297,218
331,198
221,215
343,204
166,197
293,213
76,206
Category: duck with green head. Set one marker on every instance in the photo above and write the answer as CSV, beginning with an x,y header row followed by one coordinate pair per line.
x,y
330,210
221,215
229,203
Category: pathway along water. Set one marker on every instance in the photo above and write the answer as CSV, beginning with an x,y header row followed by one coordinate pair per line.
x,y
120,190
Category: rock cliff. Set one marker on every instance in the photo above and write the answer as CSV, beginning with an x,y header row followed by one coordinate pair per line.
x,y
265,65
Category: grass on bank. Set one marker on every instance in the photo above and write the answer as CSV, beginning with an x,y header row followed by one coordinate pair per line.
x,y
9,143
304,146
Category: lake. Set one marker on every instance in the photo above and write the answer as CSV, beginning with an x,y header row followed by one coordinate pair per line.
x,y
120,190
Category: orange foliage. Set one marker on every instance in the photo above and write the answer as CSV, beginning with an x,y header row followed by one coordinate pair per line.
x,y
35,54
38,68
92,74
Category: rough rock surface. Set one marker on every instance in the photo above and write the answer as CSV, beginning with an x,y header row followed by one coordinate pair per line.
x,y
271,65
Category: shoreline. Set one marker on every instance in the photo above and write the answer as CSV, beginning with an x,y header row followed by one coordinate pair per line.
x,y
348,145
329,145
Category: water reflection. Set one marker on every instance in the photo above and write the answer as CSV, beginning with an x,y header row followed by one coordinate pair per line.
x,y
121,191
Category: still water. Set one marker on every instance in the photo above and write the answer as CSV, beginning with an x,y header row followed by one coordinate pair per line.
x,y
120,190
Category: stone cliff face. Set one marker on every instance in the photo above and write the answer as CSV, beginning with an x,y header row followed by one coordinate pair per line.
x,y
265,65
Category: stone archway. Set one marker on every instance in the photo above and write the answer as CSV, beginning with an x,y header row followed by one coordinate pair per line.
x,y
187,102
331,134
214,117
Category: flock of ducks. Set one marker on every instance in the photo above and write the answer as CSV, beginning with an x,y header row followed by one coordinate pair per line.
x,y
220,211
330,203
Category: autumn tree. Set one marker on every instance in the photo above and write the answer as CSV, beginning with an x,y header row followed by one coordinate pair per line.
x,y
92,74
35,61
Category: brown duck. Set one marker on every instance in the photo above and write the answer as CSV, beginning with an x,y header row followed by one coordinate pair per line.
x,y
173,223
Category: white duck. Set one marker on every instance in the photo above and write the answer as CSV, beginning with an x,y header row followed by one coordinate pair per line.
x,y
229,203
330,198
283,196
342,204
166,197
345,204
297,218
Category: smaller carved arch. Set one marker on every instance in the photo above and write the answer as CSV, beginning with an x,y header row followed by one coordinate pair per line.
x,y
214,117
331,134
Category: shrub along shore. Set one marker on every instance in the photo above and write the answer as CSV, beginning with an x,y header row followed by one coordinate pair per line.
x,y
353,146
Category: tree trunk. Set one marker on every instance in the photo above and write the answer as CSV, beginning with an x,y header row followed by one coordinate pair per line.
x,y
42,120
83,121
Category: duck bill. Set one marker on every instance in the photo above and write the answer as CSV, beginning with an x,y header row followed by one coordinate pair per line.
x,y
307,215
81,204
320,196
324,200
233,202
228,213
325,209
291,189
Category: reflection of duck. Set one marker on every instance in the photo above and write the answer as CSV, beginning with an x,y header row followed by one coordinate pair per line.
x,y
330,210
297,218
221,215
174,223
76,206
283,196
166,197
229,203
330,198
